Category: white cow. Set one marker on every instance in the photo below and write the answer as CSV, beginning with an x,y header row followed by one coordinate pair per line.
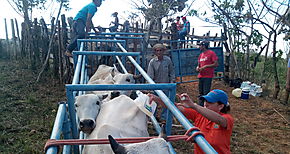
x,y
155,145
87,108
103,72
110,75
152,146
119,117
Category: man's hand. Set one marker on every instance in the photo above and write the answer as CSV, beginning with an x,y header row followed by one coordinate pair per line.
x,y
197,69
201,68
185,100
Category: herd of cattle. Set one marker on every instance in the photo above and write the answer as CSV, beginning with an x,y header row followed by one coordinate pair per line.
x,y
115,114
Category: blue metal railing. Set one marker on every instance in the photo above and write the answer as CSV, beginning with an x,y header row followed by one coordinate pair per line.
x,y
80,58
200,140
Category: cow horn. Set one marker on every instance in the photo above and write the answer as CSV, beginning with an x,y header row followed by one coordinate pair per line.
x,y
116,147
163,132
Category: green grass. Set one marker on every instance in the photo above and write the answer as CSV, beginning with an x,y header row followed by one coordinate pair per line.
x,y
27,109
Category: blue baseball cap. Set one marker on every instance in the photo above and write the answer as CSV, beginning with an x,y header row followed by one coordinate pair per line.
x,y
216,95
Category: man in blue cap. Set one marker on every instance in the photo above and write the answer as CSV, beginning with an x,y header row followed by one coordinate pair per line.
x,y
83,24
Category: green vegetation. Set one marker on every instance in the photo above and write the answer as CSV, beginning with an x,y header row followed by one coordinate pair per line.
x,y
27,109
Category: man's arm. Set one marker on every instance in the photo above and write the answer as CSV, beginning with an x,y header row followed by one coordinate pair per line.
x,y
215,64
207,113
89,24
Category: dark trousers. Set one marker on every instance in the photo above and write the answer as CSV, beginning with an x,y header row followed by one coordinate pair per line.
x,y
78,32
113,28
204,87
182,34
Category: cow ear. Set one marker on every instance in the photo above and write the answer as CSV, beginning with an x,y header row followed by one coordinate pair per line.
x,y
102,97
116,147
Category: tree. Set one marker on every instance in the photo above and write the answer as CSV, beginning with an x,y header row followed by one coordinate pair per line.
x,y
246,24
25,7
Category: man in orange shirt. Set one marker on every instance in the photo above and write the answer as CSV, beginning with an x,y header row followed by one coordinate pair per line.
x,y
213,119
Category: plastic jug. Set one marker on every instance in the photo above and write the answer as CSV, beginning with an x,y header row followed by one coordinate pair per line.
x,y
245,93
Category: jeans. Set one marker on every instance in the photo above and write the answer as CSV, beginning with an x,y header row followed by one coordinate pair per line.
x,y
78,32
182,34
204,87
113,28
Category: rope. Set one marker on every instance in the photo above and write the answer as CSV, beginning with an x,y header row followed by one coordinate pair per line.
x,y
53,142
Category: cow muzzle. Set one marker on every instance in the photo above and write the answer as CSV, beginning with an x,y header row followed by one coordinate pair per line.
x,y
87,125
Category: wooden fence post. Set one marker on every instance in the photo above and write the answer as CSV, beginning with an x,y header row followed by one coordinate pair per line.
x,y
57,57
1,48
17,37
44,40
17,30
13,39
64,39
36,41
7,39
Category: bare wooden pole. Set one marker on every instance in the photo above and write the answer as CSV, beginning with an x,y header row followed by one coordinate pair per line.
x,y
6,30
14,39
44,38
58,57
64,38
7,39
17,29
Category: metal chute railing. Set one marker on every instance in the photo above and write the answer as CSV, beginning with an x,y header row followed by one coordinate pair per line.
x,y
80,77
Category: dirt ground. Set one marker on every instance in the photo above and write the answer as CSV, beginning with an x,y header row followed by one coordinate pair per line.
x,y
28,109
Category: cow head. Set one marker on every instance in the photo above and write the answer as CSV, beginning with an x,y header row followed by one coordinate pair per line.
x,y
87,108
126,78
